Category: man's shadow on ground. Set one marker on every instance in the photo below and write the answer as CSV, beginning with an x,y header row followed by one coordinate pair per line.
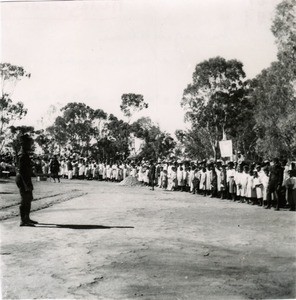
x,y
77,226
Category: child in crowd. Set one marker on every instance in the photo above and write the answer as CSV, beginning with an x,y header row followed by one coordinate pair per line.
x,y
213,181
237,179
180,178
195,181
202,182
223,182
257,185
290,184
230,181
250,190
264,180
208,186
164,181
243,181
172,180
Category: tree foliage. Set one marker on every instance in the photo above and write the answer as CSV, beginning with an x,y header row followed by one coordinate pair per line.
x,y
214,100
9,75
16,133
275,112
275,90
9,111
117,140
77,127
44,141
193,143
131,103
284,30
157,144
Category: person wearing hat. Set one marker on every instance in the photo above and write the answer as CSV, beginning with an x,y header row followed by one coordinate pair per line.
x,y
24,181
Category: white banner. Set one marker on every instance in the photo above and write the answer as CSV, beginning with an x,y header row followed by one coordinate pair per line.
x,y
226,148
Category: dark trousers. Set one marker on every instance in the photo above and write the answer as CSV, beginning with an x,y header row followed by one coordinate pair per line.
x,y
55,176
272,189
25,206
152,182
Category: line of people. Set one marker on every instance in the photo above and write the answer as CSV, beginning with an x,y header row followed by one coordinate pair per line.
x,y
273,183
267,184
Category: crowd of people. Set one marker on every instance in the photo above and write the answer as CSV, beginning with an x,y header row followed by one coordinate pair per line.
x,y
272,183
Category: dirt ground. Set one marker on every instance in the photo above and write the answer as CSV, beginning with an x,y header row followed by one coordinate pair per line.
x,y
100,240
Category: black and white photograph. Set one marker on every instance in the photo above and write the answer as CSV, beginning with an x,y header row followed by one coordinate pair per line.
x,y
148,149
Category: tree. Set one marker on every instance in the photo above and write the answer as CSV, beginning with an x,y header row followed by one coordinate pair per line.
x,y
131,103
16,133
44,141
214,99
157,144
48,118
77,127
193,143
9,75
118,134
284,30
9,112
275,112
274,92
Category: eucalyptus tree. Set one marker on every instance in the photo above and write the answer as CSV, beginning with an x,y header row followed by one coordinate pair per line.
x,y
77,127
132,103
9,111
274,92
214,99
157,143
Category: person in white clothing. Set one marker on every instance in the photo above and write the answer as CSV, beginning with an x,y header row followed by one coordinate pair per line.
x,y
264,179
180,178
237,179
190,179
290,184
257,185
202,182
172,180
218,169
230,180
243,182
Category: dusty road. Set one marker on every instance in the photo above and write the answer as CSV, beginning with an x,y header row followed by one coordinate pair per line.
x,y
105,241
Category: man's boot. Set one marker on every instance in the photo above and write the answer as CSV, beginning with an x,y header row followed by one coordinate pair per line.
x,y
24,218
28,210
30,220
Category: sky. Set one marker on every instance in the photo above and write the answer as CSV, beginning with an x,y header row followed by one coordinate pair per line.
x,y
95,51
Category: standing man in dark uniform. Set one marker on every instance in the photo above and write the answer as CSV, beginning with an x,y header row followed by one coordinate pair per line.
x,y
24,182
152,171
275,182
54,169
